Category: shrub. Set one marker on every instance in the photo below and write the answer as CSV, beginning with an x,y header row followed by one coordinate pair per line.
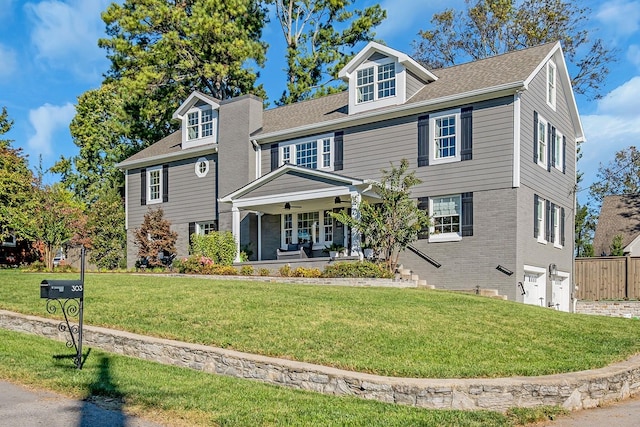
x,y
285,270
246,270
306,272
264,272
219,246
360,269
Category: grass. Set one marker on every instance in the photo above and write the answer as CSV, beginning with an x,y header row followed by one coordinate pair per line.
x,y
397,332
179,396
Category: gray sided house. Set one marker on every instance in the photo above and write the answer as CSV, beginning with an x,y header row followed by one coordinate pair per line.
x,y
493,141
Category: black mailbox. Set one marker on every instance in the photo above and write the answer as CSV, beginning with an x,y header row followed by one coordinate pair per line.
x,y
57,289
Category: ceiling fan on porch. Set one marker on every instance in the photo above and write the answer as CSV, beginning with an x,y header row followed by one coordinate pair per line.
x,y
288,206
337,200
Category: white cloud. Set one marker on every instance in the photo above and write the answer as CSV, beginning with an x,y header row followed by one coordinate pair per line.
x,y
615,125
633,55
620,17
8,61
47,120
66,33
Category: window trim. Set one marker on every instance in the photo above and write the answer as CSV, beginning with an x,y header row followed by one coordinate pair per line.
x,y
557,228
375,65
445,237
151,170
433,160
558,151
200,227
552,84
200,173
542,220
291,147
320,235
542,125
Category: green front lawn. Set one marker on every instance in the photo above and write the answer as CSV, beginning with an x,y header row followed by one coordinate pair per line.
x,y
398,332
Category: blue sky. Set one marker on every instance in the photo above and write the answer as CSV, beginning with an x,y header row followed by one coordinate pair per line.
x,y
49,56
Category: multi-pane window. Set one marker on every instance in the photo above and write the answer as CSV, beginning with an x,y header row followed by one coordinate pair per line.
x,y
287,228
445,136
551,84
328,227
542,142
154,185
308,227
556,226
205,227
446,213
364,87
558,150
307,155
326,152
376,82
386,80
540,221
200,123
313,154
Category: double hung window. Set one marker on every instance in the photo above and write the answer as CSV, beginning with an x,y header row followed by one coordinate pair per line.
x,y
314,227
542,142
444,129
154,185
200,123
446,216
316,153
551,84
376,82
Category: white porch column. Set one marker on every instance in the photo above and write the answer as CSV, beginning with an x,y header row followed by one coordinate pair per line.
x,y
235,230
356,198
260,235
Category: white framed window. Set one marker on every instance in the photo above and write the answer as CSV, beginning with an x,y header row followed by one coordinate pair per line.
x,y
444,137
202,167
374,82
305,227
558,152
540,220
542,142
206,227
154,185
555,223
9,241
446,217
200,123
551,84
316,153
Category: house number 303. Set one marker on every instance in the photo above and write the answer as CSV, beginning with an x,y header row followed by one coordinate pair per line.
x,y
76,288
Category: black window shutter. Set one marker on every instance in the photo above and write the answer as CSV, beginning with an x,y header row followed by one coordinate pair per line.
x,y
423,204
564,154
466,127
549,147
143,186
553,146
192,230
165,183
552,225
536,230
562,226
535,137
467,214
274,157
547,222
338,145
423,140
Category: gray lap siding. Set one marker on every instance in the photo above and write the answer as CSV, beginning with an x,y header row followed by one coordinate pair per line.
x,y
191,199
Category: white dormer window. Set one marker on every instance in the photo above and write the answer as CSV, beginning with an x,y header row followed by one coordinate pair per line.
x,y
376,82
200,123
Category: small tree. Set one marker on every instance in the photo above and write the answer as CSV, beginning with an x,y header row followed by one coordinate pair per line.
x,y
154,238
394,223
616,246
107,232
219,247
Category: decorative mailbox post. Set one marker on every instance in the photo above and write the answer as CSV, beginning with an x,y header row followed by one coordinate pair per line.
x,y
68,295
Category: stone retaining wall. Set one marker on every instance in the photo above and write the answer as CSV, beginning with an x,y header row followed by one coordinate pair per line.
x,y
576,390
365,282
628,309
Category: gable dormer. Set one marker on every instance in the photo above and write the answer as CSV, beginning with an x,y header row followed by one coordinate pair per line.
x,y
379,76
199,120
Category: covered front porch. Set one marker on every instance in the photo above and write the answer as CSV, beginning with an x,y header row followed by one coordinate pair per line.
x,y
293,207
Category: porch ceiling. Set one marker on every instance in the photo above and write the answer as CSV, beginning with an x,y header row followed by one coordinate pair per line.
x,y
299,203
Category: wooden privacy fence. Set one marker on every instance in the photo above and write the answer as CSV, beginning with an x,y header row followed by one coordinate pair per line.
x,y
612,278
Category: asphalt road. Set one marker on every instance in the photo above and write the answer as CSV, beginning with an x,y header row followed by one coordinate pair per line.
x,y
22,407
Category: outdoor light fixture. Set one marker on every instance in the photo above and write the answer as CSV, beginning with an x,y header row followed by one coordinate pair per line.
x,y
553,270
504,270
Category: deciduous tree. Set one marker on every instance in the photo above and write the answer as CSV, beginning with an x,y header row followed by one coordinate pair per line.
x,y
491,27
154,238
619,176
319,35
393,223
106,228
585,225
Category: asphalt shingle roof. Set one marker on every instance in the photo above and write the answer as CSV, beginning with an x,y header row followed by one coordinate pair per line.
x,y
618,215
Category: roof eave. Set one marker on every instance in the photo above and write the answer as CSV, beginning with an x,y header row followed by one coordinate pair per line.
x,y
170,157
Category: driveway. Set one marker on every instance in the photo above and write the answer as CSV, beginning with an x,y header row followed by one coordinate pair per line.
x,y
23,407
621,414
